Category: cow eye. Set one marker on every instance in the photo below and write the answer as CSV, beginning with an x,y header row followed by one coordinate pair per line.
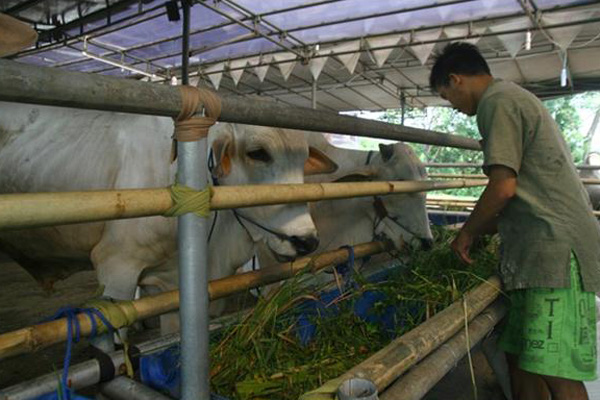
x,y
259,155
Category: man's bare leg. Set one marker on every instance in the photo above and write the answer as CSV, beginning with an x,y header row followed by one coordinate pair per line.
x,y
565,389
526,385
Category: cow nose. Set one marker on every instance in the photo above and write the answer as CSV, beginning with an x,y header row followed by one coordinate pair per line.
x,y
426,244
305,245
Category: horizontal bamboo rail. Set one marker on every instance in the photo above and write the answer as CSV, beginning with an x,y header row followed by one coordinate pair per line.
x,y
420,379
30,210
448,203
472,165
437,197
36,337
385,366
585,181
468,204
25,83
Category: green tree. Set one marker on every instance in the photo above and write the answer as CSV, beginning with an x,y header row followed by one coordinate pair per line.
x,y
566,111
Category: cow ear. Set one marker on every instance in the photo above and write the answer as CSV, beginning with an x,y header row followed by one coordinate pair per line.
x,y
387,151
356,177
221,154
318,163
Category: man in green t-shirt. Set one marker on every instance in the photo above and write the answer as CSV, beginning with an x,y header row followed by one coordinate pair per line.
x,y
550,239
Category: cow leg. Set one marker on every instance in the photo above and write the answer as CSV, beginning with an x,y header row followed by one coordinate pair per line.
x,y
118,275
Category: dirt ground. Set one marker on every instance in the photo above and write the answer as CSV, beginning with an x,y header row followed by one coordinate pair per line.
x,y
23,302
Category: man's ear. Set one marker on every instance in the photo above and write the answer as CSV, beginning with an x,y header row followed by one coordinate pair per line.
x,y
222,154
454,80
318,163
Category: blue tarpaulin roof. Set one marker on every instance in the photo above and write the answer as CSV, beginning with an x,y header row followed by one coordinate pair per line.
x,y
364,55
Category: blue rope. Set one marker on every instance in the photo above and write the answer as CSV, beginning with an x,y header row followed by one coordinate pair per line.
x,y
347,269
70,313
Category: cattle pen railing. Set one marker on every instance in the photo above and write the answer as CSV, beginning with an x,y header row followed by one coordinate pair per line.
x,y
46,86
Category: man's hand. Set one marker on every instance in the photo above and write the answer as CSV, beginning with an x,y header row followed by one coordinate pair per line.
x,y
461,246
500,189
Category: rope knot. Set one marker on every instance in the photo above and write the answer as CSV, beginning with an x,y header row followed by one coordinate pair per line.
x,y
189,128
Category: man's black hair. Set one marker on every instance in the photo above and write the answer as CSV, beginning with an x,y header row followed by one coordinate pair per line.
x,y
457,58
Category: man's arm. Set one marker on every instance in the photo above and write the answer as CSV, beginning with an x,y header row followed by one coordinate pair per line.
x,y
500,189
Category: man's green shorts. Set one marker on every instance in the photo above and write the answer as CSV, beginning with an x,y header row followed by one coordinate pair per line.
x,y
553,331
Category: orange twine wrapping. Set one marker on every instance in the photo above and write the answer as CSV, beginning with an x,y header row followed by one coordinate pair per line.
x,y
189,128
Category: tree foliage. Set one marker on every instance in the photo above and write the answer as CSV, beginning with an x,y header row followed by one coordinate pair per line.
x,y
566,111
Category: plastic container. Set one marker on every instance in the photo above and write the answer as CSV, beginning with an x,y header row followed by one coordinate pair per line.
x,y
357,389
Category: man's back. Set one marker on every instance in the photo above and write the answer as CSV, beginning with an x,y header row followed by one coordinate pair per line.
x,y
550,214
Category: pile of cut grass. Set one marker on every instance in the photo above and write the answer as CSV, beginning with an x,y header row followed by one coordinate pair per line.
x,y
261,356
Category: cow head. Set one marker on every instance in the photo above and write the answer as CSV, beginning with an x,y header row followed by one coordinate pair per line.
x,y
407,214
403,217
253,155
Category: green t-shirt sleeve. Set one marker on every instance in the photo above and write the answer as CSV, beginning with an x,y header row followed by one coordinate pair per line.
x,y
501,127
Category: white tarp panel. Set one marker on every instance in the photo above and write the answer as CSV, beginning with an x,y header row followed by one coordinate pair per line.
x,y
565,36
513,42
234,72
423,51
349,60
464,33
316,66
381,56
286,68
215,78
260,70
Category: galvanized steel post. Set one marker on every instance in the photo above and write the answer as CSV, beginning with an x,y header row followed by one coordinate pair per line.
x,y
193,260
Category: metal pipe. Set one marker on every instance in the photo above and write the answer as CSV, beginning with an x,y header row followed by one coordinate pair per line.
x,y
29,210
185,44
314,94
123,388
193,278
420,379
31,84
433,41
585,181
193,258
448,213
81,375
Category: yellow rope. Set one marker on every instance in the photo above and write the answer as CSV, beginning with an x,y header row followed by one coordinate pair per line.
x,y
119,314
188,200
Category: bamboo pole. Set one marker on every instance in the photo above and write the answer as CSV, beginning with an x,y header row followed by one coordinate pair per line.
x,y
420,379
449,203
25,83
30,210
36,337
585,181
472,165
385,366
468,204
437,197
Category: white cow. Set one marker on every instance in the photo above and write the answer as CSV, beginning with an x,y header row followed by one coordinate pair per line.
x,y
400,218
45,149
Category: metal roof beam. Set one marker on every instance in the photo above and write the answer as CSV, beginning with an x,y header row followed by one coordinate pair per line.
x,y
21,7
251,29
95,16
